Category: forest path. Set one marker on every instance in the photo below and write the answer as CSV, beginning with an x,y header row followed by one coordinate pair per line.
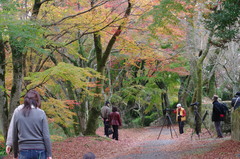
x,y
166,147
142,143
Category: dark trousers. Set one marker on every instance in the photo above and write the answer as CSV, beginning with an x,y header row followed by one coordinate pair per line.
x,y
106,127
115,132
218,128
181,125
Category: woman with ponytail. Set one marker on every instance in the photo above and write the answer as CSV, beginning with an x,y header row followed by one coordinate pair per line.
x,y
29,129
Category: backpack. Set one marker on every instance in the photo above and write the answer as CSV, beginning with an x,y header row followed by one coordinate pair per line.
x,y
105,111
224,109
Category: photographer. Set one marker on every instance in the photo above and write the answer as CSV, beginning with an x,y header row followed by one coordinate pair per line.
x,y
180,117
236,101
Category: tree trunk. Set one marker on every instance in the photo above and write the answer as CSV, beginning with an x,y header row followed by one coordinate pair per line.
x,y
75,108
17,60
164,94
101,62
95,107
200,79
3,94
199,94
83,114
212,86
80,94
211,79
18,64
94,112
185,87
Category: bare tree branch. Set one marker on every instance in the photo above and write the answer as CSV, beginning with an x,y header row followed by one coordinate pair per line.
x,y
75,15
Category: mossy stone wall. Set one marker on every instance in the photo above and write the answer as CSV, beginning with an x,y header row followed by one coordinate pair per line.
x,y
235,135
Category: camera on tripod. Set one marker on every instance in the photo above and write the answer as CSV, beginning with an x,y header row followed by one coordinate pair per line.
x,y
194,104
167,121
167,110
198,119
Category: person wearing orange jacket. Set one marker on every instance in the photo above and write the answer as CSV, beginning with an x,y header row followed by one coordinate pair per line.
x,y
180,117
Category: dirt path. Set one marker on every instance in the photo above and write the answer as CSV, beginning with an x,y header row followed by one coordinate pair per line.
x,y
142,143
152,148
166,147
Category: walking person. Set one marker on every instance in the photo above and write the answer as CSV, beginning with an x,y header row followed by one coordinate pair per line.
x,y
216,116
30,132
115,121
236,101
180,117
105,111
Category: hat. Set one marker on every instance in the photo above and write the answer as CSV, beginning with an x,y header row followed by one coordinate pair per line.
x,y
179,105
89,155
238,93
107,102
215,97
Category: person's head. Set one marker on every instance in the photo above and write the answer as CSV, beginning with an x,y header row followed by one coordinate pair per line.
x,y
179,105
107,103
114,109
32,98
89,155
238,94
215,98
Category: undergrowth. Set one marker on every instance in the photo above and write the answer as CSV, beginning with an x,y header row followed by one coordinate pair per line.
x,y
2,147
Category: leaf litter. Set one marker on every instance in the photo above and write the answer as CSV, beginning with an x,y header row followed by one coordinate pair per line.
x,y
140,143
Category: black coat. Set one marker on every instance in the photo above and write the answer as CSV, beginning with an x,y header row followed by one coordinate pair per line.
x,y
216,111
234,101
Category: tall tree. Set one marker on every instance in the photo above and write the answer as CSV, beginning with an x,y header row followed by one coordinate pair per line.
x,y
3,94
224,18
102,57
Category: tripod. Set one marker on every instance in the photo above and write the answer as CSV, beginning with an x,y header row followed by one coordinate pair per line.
x,y
196,116
168,123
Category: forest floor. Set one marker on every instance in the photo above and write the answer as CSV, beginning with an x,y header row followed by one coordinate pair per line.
x,y
143,143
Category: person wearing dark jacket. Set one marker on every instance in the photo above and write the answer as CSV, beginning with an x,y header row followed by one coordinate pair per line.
x,y
105,111
216,116
236,101
115,121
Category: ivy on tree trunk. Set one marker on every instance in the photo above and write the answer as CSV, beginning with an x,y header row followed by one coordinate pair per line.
x,y
3,94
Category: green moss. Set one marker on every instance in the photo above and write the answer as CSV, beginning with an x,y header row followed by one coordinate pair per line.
x,y
1,138
235,125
